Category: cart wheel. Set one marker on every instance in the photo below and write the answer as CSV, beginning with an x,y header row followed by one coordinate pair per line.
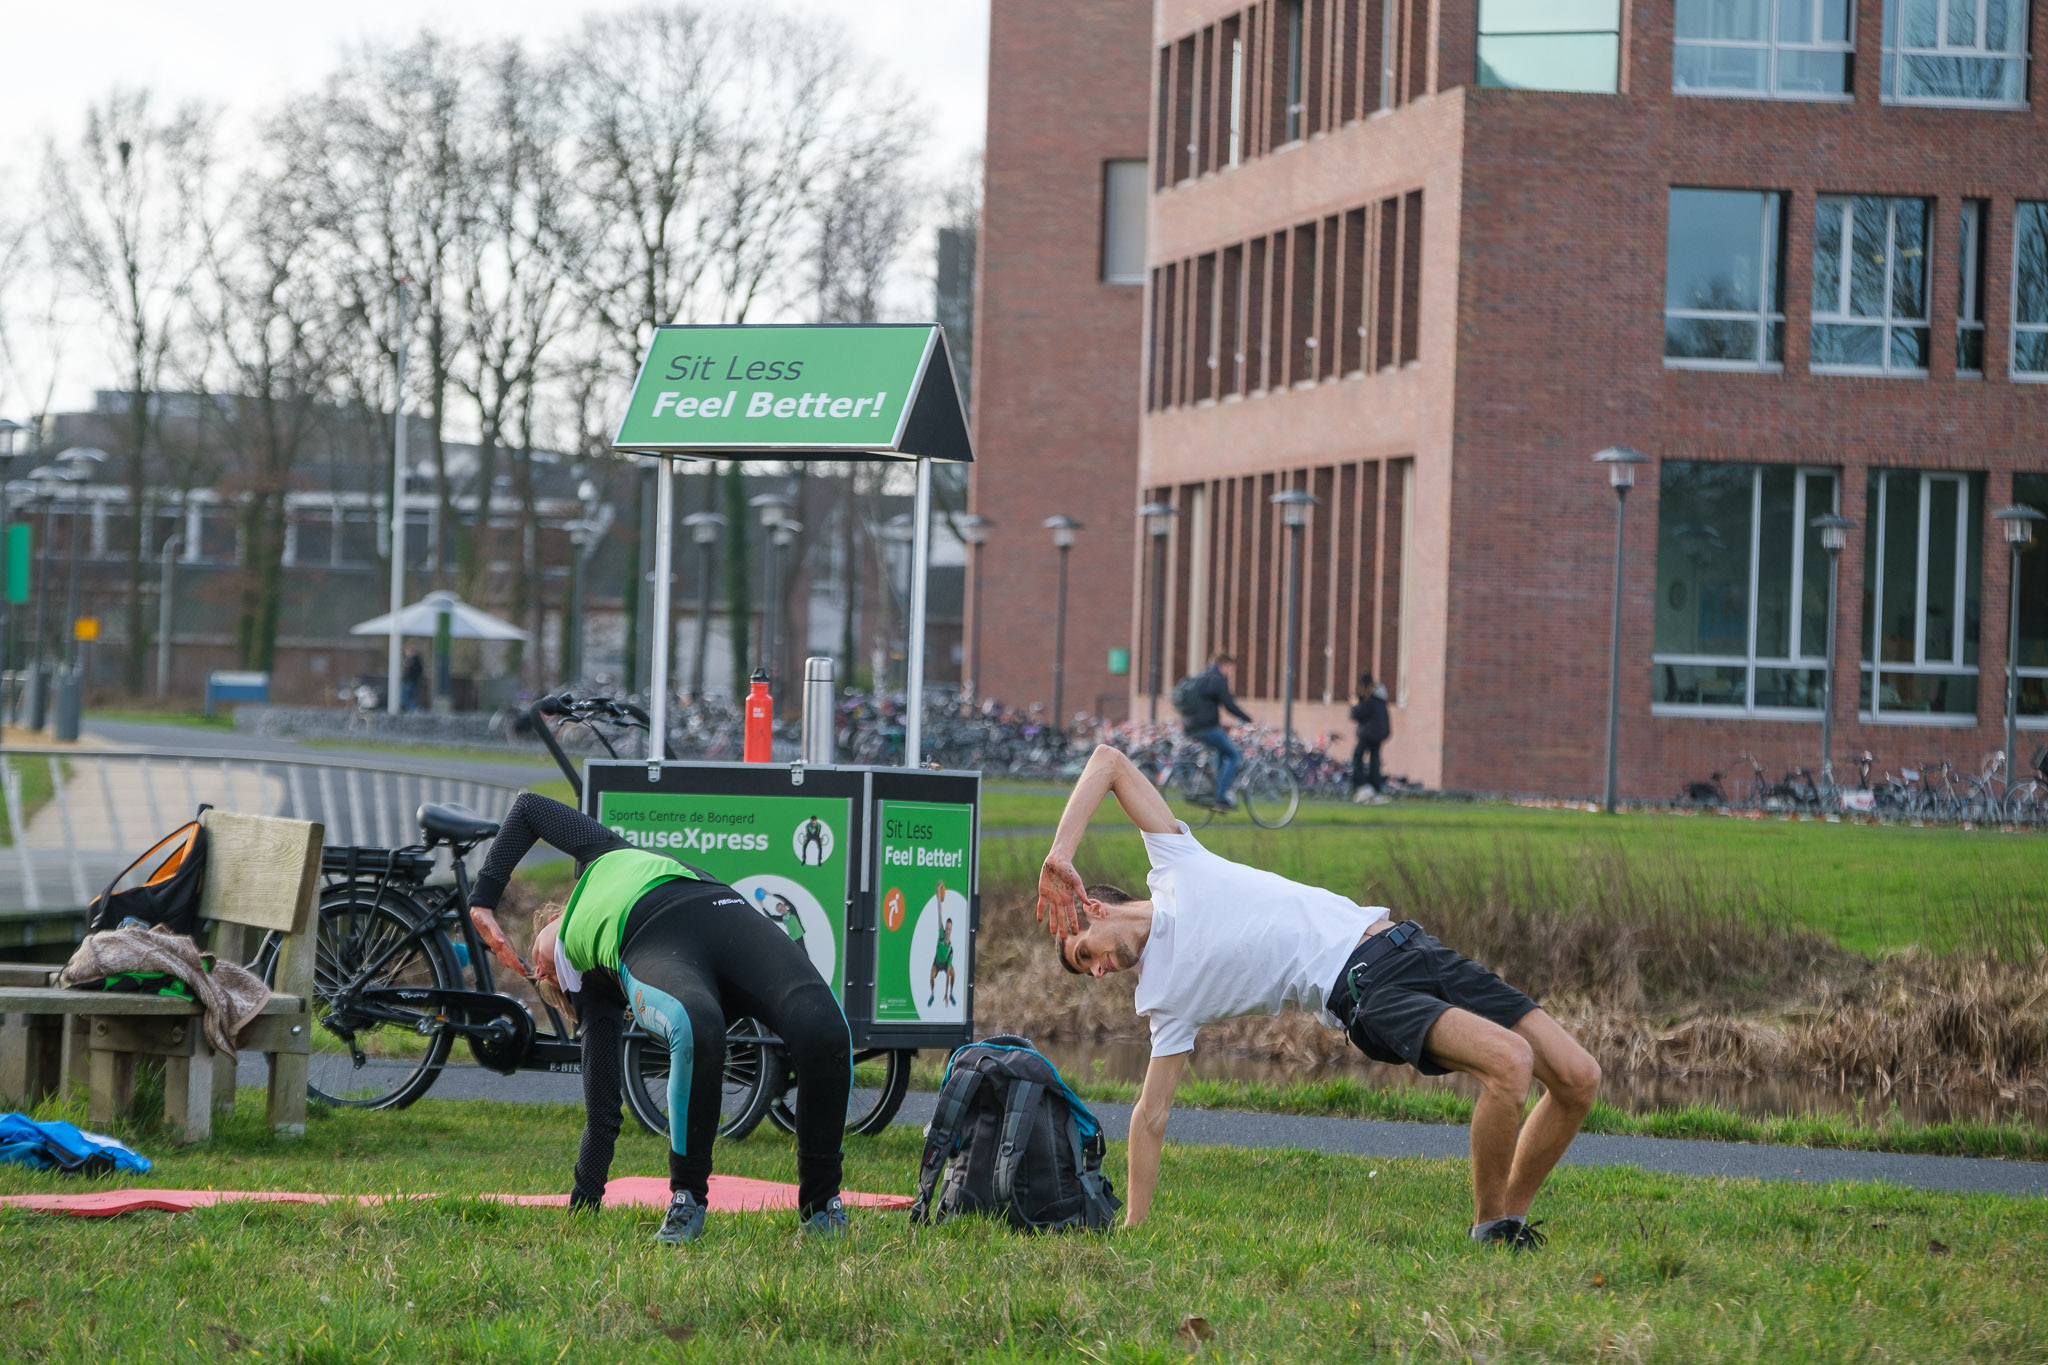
x,y
880,1081
750,1059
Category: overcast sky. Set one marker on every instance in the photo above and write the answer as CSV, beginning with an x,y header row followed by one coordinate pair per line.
x,y
243,55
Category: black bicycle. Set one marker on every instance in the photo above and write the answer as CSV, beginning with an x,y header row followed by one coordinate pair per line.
x,y
400,973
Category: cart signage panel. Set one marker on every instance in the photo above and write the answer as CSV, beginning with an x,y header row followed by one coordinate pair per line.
x,y
924,875
788,855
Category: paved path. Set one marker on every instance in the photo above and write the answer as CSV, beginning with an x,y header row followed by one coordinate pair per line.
x,y
1376,1137
130,734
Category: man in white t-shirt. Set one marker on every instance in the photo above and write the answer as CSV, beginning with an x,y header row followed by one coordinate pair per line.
x,y
1219,939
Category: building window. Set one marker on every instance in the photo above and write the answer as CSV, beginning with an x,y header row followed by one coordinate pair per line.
x,y
1870,286
2030,292
1742,589
1123,222
1296,108
1922,585
1790,49
2032,489
1971,52
1571,45
1235,150
1724,280
1970,288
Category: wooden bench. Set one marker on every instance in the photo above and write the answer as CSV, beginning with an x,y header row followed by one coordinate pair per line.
x,y
262,874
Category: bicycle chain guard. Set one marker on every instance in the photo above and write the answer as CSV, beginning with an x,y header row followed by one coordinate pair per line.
x,y
501,1044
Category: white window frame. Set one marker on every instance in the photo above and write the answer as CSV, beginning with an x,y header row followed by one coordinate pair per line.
x,y
2020,376
1920,664
1773,46
1895,27
1750,661
1969,307
1236,145
1770,267
1840,316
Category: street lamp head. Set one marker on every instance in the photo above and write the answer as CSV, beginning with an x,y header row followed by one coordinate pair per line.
x,y
1158,518
772,507
2018,523
704,526
1294,504
1621,465
1062,527
973,528
1834,531
785,533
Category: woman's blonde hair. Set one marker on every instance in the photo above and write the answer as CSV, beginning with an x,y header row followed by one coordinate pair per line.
x,y
544,963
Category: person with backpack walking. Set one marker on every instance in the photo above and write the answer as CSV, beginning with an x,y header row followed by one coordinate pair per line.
x,y
684,953
1218,939
1201,699
1374,729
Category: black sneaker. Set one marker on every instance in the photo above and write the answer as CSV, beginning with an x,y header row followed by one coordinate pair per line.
x,y
1527,1238
1224,804
685,1221
1504,1232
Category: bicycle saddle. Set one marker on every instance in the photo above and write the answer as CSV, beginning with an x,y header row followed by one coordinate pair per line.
x,y
455,824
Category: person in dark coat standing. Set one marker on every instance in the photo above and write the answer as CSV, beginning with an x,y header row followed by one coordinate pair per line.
x,y
1374,726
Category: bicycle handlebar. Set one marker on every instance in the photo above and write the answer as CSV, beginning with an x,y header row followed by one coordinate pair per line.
x,y
586,710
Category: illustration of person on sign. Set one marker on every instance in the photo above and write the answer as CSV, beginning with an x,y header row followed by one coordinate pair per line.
x,y
942,954
782,910
814,837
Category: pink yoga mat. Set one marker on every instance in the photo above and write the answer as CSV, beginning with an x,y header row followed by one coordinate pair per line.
x,y
729,1194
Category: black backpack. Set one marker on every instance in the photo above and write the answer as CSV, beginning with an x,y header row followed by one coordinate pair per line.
x,y
1187,694
1020,1141
160,887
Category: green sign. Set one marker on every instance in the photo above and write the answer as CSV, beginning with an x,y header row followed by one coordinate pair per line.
x,y
20,557
925,874
786,854
884,389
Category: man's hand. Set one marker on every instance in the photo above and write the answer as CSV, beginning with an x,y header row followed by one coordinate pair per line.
x,y
1060,894
494,939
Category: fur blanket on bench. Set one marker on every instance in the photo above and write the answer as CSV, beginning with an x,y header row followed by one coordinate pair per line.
x,y
229,995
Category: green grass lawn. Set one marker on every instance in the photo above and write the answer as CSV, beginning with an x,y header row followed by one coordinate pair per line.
x,y
37,788
1871,888
523,758
224,720
1283,1255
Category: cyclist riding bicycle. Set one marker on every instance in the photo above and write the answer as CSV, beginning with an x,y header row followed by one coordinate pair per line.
x,y
1201,700
685,953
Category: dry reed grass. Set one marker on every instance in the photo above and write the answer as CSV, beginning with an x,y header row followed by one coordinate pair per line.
x,y
1658,967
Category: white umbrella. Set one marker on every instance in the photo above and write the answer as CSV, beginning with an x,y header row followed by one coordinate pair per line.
x,y
423,618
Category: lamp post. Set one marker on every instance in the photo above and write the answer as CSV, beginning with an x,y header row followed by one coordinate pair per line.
x,y
9,430
167,558
781,535
1293,504
2017,521
704,529
772,508
1834,538
1063,528
46,480
1621,465
1158,518
77,463
974,530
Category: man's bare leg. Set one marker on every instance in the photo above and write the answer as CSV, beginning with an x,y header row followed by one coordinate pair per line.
x,y
1571,1080
1503,1062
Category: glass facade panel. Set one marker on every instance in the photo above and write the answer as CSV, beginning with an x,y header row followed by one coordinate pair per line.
x,y
1724,279
1970,287
2032,490
1794,49
1870,285
1968,52
1923,592
1741,586
2030,291
1567,45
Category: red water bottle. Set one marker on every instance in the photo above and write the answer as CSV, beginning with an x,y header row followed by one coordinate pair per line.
x,y
760,742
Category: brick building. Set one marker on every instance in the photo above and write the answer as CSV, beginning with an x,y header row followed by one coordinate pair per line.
x,y
1058,327
1423,258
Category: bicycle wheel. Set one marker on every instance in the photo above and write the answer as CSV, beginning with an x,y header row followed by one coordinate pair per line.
x,y
751,1057
381,1063
1270,794
2027,804
880,1080
1194,780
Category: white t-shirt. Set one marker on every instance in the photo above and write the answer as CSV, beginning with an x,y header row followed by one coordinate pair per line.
x,y
1229,939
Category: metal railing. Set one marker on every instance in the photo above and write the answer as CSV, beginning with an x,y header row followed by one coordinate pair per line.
x,y
76,817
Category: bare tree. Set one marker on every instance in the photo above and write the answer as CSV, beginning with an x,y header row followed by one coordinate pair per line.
x,y
120,224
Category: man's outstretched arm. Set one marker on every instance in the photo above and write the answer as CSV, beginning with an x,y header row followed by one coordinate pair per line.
x,y
1109,771
1148,1134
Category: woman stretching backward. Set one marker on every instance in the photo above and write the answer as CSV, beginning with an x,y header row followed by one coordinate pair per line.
x,y
684,954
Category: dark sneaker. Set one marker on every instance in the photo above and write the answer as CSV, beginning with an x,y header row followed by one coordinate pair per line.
x,y
1504,1232
685,1221
1224,804
829,1222
1528,1238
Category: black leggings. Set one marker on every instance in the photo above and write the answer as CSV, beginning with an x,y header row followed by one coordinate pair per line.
x,y
695,955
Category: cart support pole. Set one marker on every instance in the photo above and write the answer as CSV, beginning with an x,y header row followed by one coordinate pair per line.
x,y
664,565
920,572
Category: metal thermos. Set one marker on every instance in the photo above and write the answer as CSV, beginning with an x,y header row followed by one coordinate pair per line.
x,y
760,721
820,712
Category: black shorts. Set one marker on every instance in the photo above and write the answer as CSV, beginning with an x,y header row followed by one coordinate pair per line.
x,y
1406,991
